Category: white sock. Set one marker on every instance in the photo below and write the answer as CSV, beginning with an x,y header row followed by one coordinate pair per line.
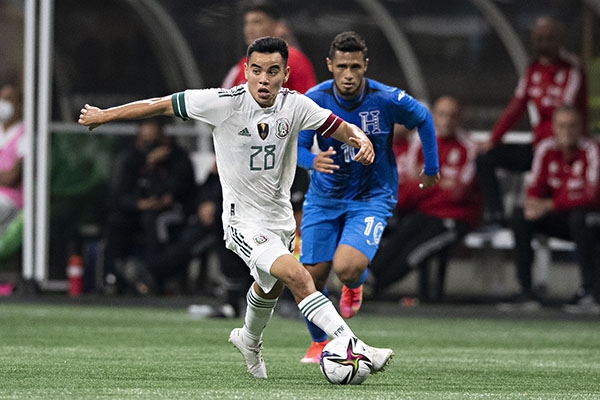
x,y
320,311
258,314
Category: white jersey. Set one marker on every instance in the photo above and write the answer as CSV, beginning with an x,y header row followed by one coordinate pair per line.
x,y
256,148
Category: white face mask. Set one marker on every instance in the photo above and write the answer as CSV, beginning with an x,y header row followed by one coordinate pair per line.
x,y
7,110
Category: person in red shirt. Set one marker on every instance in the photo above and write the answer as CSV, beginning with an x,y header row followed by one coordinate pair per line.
x,y
432,219
562,200
263,19
554,77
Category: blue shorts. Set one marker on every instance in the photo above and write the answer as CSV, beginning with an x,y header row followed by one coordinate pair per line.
x,y
326,225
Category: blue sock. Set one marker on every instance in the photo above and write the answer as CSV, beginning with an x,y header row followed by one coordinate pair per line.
x,y
360,281
316,333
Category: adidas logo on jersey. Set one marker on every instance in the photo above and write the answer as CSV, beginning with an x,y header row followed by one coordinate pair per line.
x,y
244,132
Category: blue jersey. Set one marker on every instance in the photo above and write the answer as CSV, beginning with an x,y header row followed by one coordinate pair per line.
x,y
375,111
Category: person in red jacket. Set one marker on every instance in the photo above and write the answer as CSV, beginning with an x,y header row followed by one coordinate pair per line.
x,y
553,78
562,200
263,19
432,219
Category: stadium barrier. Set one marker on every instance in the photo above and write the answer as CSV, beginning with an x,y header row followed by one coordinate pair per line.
x,y
483,248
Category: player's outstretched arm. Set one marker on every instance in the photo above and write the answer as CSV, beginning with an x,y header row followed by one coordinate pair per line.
x,y
92,117
352,135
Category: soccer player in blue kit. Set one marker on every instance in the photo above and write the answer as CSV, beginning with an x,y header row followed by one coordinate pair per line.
x,y
347,204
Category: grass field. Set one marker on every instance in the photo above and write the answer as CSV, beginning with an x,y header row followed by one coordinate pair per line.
x,y
100,352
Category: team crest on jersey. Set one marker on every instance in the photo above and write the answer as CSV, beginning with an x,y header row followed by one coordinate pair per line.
x,y
263,130
282,128
370,121
260,239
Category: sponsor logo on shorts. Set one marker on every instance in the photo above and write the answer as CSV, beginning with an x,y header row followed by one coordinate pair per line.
x,y
260,239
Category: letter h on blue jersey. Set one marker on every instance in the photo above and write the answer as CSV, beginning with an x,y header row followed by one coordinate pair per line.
x,y
370,121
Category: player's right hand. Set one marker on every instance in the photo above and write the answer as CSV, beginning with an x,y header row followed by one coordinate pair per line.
x,y
324,163
90,116
366,153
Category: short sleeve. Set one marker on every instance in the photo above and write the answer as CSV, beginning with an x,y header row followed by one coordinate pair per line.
x,y
211,106
317,118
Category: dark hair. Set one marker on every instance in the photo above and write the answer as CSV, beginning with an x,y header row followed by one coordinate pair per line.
x,y
348,42
264,7
269,45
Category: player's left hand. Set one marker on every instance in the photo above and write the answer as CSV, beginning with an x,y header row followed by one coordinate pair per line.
x,y
324,163
428,180
366,154
90,116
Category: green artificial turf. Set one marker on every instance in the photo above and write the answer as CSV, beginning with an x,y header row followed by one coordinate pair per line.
x,y
94,352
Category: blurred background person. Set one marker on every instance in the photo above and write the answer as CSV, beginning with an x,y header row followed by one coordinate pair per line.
x,y
562,192
263,18
435,218
152,197
12,149
11,153
197,237
553,78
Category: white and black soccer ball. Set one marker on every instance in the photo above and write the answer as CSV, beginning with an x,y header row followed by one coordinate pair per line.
x,y
346,360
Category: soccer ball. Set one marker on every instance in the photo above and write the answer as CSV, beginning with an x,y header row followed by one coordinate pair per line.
x,y
346,361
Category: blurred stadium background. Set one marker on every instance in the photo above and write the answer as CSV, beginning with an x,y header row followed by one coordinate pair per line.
x,y
115,51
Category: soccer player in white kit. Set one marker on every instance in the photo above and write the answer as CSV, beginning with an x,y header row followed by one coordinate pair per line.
x,y
255,133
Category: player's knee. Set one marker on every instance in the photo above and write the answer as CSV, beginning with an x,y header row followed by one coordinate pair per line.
x,y
349,264
350,274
